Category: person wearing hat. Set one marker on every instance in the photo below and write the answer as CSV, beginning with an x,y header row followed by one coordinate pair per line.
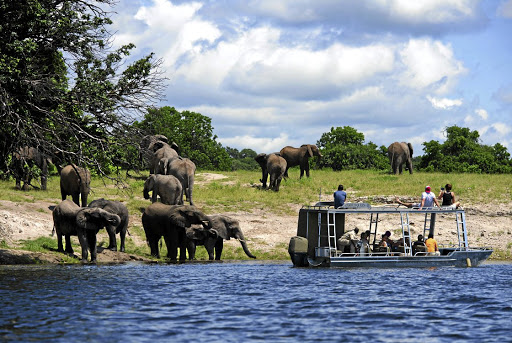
x,y
428,198
349,238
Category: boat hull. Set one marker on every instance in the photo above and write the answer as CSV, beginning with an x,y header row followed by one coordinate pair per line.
x,y
471,258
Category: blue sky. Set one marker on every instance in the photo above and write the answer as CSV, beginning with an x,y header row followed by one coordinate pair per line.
x,y
274,73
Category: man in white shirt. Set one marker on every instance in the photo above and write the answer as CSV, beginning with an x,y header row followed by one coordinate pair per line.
x,y
428,199
349,238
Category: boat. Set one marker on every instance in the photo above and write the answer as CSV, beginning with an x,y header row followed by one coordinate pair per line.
x,y
321,225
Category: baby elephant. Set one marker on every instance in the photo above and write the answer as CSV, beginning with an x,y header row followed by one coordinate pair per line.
x,y
120,209
84,222
223,227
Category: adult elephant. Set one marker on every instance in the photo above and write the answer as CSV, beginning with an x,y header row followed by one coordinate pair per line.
x,y
162,150
170,222
146,148
115,207
273,165
75,181
223,228
71,220
24,159
184,170
299,157
398,154
167,186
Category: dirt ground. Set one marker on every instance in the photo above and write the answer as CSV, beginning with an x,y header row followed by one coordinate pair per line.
x,y
488,225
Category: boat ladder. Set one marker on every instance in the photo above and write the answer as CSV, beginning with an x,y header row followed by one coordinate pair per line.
x,y
331,230
406,233
426,228
374,221
461,229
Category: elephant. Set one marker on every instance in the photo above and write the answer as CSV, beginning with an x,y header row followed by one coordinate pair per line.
x,y
161,150
400,153
299,157
23,160
167,186
146,148
115,207
71,220
170,222
75,181
273,165
184,170
223,227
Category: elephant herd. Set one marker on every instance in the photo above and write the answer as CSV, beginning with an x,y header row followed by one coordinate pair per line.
x,y
276,164
181,226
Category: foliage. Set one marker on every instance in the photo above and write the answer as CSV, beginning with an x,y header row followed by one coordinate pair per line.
x,y
192,132
63,89
243,160
462,153
342,148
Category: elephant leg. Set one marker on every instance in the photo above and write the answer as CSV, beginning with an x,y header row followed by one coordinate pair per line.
x,y
218,249
191,249
307,170
172,247
69,248
122,234
60,248
112,244
278,183
83,243
409,165
91,242
18,183
400,168
182,243
76,198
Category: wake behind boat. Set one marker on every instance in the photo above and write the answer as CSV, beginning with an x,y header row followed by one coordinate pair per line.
x,y
320,226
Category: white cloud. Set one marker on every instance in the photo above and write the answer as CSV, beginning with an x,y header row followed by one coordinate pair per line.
x,y
430,65
482,113
258,144
502,128
505,9
431,11
444,103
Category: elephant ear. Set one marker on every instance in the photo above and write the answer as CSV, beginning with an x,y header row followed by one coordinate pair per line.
x,y
158,145
410,148
195,233
84,219
179,217
261,159
310,152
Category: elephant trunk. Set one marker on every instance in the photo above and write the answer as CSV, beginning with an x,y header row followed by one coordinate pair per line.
x,y
242,241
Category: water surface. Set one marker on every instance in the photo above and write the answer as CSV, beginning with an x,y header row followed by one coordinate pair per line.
x,y
254,301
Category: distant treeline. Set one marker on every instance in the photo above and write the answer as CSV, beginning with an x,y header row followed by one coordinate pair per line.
x,y
342,148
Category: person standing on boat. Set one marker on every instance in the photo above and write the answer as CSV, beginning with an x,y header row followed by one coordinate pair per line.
x,y
448,197
339,197
428,199
431,244
349,238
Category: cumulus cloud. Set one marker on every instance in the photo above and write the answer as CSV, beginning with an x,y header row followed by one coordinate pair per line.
x,y
430,64
444,103
482,113
258,144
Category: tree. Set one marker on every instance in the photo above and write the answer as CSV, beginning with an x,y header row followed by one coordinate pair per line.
x,y
63,89
244,159
462,152
192,132
343,148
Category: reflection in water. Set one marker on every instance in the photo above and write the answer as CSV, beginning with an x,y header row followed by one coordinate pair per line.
x,y
252,301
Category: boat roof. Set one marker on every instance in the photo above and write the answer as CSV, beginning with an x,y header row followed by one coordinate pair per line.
x,y
363,207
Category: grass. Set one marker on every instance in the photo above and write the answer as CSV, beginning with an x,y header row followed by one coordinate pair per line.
x,y
241,191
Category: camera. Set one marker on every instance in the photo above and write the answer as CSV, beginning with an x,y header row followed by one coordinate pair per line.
x,y
442,188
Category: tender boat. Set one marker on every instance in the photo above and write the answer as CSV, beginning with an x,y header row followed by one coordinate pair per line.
x,y
320,226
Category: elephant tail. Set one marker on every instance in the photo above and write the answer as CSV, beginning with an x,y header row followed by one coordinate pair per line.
x,y
53,231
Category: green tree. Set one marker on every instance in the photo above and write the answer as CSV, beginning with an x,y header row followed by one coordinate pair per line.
x,y
62,88
193,133
343,148
244,159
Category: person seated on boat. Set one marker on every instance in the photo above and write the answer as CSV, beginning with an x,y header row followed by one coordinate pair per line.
x,y
339,197
448,197
431,245
428,199
400,243
419,246
349,238
408,204
383,244
363,244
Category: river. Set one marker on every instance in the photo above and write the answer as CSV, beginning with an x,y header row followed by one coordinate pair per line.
x,y
250,301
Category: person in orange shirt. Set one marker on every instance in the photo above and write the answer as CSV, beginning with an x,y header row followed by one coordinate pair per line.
x,y
431,244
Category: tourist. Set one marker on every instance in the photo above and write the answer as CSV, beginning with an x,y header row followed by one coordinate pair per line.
x,y
349,238
363,244
419,245
339,197
428,199
431,245
448,197
408,204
